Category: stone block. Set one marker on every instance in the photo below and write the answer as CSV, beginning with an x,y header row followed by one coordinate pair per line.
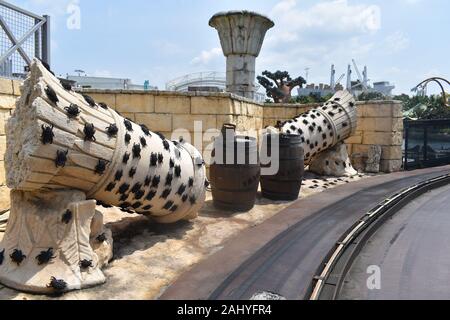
x,y
278,113
222,119
269,122
155,122
2,147
360,149
392,153
2,173
108,98
290,112
259,123
172,104
16,87
5,201
7,101
6,86
244,123
302,110
214,105
356,138
383,138
188,121
135,102
389,166
349,148
254,110
130,116
381,110
4,116
397,110
397,124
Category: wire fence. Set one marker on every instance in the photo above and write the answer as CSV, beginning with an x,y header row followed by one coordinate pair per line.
x,y
23,35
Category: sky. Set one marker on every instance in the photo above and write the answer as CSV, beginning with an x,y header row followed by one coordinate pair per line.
x,y
401,41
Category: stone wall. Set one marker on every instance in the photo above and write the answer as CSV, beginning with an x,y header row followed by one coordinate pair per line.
x,y
9,91
164,112
379,122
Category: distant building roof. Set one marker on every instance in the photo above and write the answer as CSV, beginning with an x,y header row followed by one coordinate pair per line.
x,y
107,83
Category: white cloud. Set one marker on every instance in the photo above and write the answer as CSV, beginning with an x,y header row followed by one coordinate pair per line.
x,y
51,7
336,17
316,36
206,56
396,42
411,1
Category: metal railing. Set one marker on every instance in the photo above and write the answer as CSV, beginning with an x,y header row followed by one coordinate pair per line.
x,y
206,78
23,36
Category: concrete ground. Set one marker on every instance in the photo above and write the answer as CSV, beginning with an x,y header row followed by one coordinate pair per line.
x,y
283,254
411,250
149,257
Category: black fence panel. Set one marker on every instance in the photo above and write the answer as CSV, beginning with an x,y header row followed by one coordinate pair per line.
x,y
427,143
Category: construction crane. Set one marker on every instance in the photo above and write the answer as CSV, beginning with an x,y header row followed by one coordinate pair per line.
x,y
332,78
307,74
362,80
339,80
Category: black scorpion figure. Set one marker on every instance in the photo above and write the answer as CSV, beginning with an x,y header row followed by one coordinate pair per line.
x,y
45,256
2,256
67,217
84,264
112,130
61,158
101,238
73,110
89,100
47,134
66,86
57,285
51,94
101,167
128,125
89,132
145,130
17,257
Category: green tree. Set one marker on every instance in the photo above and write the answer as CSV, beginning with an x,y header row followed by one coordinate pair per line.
x,y
367,96
434,106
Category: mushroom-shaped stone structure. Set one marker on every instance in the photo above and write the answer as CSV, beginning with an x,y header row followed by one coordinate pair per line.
x,y
241,36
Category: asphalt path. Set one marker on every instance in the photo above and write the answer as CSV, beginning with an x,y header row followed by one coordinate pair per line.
x,y
283,254
411,253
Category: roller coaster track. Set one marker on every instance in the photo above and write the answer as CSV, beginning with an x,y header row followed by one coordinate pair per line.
x,y
328,283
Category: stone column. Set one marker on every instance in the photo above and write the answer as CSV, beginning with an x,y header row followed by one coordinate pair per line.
x,y
241,36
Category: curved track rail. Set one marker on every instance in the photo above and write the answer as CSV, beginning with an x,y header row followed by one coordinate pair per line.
x,y
328,283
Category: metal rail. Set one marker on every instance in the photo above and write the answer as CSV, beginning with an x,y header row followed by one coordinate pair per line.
x,y
23,35
437,80
327,284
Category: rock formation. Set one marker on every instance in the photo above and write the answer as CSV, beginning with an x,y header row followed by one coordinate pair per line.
x,y
333,162
373,160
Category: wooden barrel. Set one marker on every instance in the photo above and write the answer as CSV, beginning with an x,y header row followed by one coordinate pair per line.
x,y
235,172
286,184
